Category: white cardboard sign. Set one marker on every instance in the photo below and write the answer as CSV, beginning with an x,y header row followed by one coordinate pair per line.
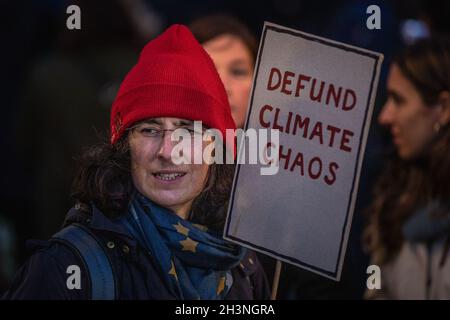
x,y
319,93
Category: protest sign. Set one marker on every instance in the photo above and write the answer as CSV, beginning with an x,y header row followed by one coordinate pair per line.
x,y
319,94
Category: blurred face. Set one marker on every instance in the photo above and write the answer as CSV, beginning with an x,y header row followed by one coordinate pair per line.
x,y
410,120
234,64
155,175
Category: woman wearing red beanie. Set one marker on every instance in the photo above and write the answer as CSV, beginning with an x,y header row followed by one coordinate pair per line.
x,y
144,227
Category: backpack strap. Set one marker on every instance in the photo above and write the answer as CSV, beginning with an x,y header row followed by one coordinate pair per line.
x,y
99,267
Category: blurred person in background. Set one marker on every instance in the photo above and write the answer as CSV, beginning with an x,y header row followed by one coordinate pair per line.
x,y
233,48
409,231
144,227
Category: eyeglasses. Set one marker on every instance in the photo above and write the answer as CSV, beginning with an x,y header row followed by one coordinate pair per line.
x,y
154,131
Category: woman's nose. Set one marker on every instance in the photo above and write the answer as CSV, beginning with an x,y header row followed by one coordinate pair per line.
x,y
386,116
166,145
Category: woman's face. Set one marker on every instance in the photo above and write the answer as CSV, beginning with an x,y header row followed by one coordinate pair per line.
x,y
234,64
410,120
153,172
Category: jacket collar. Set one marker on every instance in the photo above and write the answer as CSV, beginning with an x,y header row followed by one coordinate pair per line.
x,y
422,227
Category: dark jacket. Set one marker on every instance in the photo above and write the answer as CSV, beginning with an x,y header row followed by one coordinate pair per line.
x,y
44,274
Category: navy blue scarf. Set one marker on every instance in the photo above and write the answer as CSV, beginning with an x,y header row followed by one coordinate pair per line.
x,y
194,262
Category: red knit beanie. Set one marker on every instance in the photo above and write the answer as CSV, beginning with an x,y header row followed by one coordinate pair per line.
x,y
174,77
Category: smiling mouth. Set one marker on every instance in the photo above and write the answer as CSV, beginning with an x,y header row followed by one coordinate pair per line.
x,y
168,176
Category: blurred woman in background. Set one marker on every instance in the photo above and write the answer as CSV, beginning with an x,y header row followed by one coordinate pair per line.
x,y
233,49
409,231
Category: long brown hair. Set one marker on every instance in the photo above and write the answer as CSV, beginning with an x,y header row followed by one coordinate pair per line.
x,y
405,186
104,179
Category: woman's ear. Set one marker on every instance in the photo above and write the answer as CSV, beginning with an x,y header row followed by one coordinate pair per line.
x,y
444,105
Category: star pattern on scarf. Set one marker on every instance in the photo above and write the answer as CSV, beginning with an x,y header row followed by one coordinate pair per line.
x,y
221,285
201,227
189,245
172,271
181,229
